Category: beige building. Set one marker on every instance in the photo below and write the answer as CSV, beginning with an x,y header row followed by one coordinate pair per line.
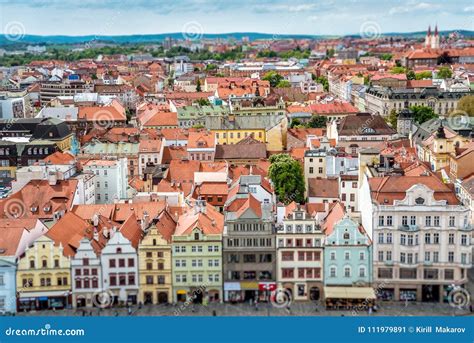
x,y
154,255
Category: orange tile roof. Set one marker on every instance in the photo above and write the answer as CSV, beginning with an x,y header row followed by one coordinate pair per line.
x,y
11,231
386,189
161,119
201,139
59,158
131,230
210,222
103,114
40,196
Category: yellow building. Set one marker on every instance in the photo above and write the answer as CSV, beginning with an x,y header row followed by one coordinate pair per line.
x,y
438,148
43,277
154,256
276,136
232,136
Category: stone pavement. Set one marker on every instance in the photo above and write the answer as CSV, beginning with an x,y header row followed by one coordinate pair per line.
x,y
266,309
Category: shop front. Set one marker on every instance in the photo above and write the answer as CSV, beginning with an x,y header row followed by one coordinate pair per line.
x,y
232,292
39,301
347,298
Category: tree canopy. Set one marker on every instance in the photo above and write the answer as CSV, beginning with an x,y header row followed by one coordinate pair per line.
x,y
423,113
287,177
466,104
445,73
317,122
273,77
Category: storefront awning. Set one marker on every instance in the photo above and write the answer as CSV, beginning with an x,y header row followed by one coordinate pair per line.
x,y
349,293
249,285
181,291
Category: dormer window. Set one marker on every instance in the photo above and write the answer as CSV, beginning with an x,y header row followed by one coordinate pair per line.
x,y
419,201
196,236
119,250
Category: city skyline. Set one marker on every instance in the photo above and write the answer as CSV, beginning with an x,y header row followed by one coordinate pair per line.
x,y
302,17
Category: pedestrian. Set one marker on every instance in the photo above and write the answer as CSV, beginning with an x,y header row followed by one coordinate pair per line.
x,y
256,305
83,313
129,310
370,310
251,302
470,308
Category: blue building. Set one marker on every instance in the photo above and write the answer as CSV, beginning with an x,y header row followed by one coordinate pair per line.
x,y
7,284
347,255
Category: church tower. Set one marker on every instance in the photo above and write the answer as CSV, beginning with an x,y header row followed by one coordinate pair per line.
x,y
435,39
428,38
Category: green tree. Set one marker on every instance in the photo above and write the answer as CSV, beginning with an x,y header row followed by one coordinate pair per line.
x,y
283,84
386,57
317,122
445,73
211,66
203,102
198,126
398,70
423,75
324,81
392,118
295,122
198,86
287,177
273,77
466,104
423,113
411,75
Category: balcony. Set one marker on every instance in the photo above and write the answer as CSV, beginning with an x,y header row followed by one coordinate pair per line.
x,y
467,227
409,228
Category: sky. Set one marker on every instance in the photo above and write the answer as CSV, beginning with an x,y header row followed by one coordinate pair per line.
x,y
328,17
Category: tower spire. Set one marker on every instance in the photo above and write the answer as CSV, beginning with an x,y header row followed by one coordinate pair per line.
x,y
429,31
436,30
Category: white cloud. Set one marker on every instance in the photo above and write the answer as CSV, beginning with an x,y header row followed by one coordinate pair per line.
x,y
410,7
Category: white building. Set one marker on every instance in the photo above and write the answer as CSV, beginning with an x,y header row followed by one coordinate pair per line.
x,y
86,274
300,254
120,269
111,179
150,153
421,236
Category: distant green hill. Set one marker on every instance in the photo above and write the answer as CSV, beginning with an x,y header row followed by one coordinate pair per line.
x,y
151,38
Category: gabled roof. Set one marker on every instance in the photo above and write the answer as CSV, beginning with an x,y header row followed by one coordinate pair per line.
x,y
323,187
39,199
208,220
386,189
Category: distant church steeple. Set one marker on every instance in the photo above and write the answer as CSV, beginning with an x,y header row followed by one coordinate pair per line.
x,y
432,40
